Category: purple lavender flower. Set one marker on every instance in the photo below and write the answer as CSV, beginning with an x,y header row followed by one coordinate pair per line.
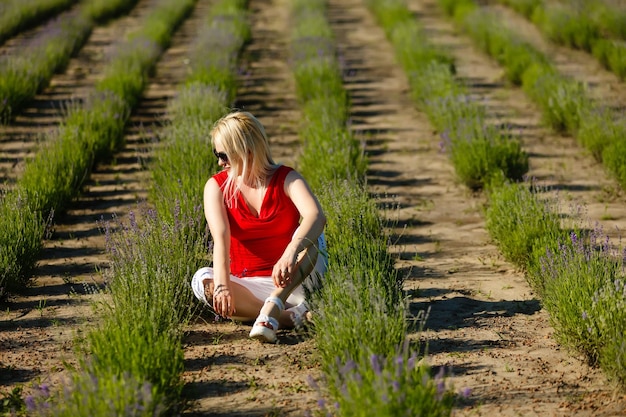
x,y
395,385
375,362
44,389
348,367
30,403
132,219
411,362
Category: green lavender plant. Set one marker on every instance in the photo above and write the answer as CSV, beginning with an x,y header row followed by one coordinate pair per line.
x,y
612,55
567,25
21,233
562,100
23,75
393,385
582,266
523,218
607,319
54,176
96,395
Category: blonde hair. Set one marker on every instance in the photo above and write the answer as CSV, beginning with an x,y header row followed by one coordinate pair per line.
x,y
244,141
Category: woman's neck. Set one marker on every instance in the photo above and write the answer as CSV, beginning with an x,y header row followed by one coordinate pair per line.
x,y
261,181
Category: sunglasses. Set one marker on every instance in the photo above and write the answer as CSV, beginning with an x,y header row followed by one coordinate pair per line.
x,y
221,155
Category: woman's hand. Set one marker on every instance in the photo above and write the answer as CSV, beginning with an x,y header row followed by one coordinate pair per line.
x,y
285,268
281,277
223,300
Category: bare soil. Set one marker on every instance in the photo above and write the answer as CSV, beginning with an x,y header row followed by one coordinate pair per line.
x,y
484,325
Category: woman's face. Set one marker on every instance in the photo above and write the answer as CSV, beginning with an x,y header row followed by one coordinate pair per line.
x,y
222,157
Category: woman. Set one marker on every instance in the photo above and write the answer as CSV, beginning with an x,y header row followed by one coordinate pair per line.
x,y
267,229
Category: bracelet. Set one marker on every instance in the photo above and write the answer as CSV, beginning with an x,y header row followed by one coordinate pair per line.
x,y
220,289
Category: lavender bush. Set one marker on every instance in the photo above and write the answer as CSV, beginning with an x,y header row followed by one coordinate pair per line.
x,y
597,27
612,55
606,318
330,151
24,74
397,385
509,50
614,155
524,7
150,301
91,395
22,230
599,131
522,218
582,267
569,24
563,101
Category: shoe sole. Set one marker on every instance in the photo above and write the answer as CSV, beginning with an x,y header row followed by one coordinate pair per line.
x,y
263,334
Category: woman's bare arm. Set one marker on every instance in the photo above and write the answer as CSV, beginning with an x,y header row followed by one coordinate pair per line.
x,y
311,225
217,219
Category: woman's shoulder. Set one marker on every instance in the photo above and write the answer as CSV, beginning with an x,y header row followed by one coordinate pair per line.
x,y
284,168
282,172
220,177
290,173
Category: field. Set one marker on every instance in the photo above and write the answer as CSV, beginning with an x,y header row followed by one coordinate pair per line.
x,y
485,325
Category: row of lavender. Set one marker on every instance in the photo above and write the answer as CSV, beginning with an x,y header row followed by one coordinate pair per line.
x,y
578,277
154,254
55,174
361,322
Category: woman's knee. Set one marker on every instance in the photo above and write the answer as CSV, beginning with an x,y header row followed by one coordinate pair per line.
x,y
199,283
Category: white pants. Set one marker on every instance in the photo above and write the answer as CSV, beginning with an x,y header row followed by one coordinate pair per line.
x,y
262,287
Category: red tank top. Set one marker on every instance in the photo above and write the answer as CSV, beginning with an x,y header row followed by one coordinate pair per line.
x,y
256,243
